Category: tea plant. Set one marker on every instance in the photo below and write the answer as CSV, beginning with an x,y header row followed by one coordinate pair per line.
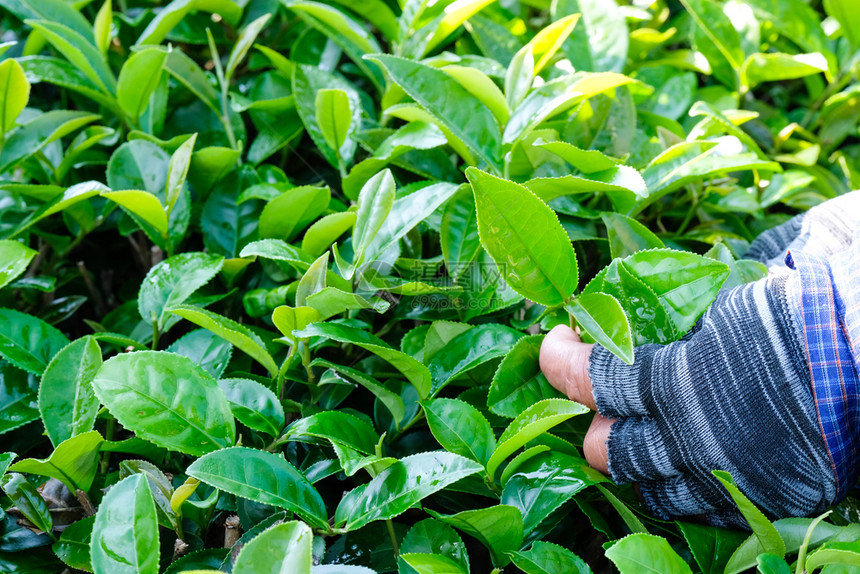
x,y
274,274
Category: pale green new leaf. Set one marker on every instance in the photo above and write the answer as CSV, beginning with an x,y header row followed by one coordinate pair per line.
x,y
14,258
138,79
14,94
646,554
530,424
450,103
601,316
525,239
334,116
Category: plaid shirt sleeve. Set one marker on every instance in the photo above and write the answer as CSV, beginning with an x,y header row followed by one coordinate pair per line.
x,y
830,316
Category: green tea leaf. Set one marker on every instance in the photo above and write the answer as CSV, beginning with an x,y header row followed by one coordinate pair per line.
x,y
168,400
406,213
414,371
545,557
186,71
262,477
842,553
292,211
685,283
374,204
763,529
415,135
28,500
246,39
66,400
601,40
29,138
443,97
343,30
80,51
499,528
338,427
531,423
525,239
711,546
125,533
431,564
454,16
557,96
61,73
172,14
401,486
716,27
774,67
171,282
102,26
460,428
14,93
586,161
14,258
544,482
73,547
627,236
650,319
27,342
325,231
284,547
206,349
602,317
313,281
74,462
645,553
232,332
19,401
843,11
468,350
459,232
482,87
254,405
334,117
431,536
307,81
519,382
144,205
391,400
138,79
177,171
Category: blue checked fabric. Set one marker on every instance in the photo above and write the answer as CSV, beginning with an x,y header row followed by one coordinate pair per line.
x,y
830,315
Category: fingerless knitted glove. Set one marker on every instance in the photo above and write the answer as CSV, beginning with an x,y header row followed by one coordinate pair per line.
x,y
735,394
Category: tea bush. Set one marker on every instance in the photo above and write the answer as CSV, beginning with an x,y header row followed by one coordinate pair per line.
x,y
274,274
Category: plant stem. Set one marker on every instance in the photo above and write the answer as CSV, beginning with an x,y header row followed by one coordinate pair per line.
x,y
393,536
105,462
306,361
282,373
225,90
155,334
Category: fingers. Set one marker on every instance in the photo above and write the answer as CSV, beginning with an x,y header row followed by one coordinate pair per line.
x,y
594,445
639,452
564,362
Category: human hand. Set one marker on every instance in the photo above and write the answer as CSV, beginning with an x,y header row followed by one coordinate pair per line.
x,y
734,395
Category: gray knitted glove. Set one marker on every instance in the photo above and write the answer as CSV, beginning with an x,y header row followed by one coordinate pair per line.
x,y
733,395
